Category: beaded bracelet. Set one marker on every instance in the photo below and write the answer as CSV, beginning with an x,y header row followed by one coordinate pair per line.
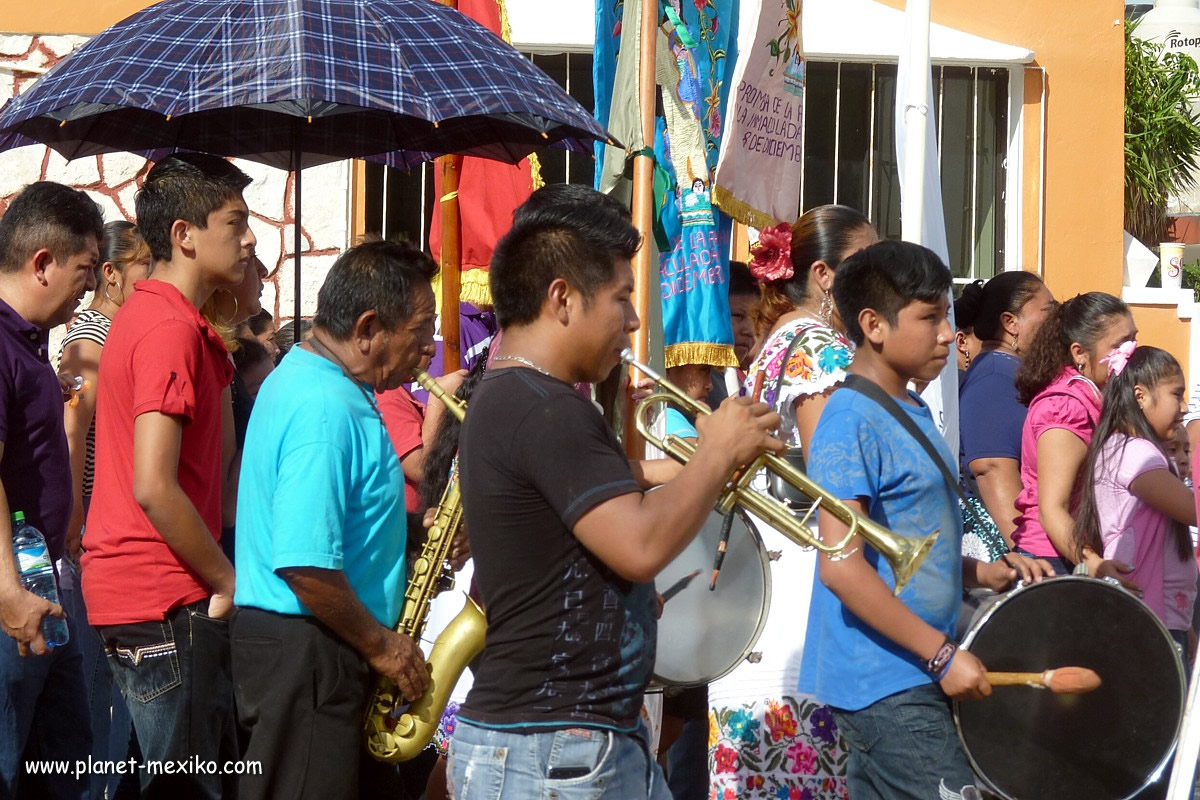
x,y
939,665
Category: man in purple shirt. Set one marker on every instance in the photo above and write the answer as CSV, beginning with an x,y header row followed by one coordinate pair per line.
x,y
49,248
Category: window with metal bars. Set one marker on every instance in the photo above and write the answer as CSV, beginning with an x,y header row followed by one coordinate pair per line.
x,y
849,155
400,203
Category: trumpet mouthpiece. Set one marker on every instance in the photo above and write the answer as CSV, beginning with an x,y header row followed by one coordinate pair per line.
x,y
627,356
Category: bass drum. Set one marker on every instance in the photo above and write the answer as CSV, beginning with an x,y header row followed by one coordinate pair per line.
x,y
1109,744
704,634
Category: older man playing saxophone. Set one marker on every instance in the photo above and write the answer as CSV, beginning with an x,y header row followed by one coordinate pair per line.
x,y
321,530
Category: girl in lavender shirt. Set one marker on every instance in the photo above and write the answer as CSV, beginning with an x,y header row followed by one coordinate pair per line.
x,y
1135,509
1060,380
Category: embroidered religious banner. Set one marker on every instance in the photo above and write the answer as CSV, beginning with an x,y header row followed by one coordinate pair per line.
x,y
758,174
695,55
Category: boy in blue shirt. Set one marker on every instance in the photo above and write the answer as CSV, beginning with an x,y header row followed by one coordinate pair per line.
x,y
886,664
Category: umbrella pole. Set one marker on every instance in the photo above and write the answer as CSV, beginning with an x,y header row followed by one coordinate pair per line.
x,y
296,335
643,216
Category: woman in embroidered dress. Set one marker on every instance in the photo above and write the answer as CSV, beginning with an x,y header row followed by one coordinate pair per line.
x,y
765,740
1060,380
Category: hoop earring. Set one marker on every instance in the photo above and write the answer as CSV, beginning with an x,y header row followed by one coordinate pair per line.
x,y
108,297
236,307
1016,347
826,310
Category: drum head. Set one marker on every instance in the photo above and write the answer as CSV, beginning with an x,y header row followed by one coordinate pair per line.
x,y
1105,745
704,634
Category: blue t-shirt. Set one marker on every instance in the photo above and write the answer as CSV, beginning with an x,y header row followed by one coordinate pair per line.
x,y
677,425
859,451
990,415
320,487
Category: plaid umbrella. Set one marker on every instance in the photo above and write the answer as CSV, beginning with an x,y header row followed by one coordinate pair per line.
x,y
295,83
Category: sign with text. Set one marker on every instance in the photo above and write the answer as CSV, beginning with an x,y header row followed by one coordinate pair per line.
x,y
758,173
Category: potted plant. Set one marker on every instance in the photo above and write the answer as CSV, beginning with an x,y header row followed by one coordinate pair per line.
x,y
1162,134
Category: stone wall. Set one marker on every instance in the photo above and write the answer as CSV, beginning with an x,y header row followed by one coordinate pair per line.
x,y
112,181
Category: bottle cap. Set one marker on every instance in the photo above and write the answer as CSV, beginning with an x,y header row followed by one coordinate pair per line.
x,y
19,516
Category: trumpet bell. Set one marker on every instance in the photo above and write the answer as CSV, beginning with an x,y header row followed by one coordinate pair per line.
x,y
904,553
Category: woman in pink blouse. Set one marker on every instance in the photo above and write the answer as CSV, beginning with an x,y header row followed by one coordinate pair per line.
x,y
1060,380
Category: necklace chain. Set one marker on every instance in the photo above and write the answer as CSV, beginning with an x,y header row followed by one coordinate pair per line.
x,y
323,351
525,361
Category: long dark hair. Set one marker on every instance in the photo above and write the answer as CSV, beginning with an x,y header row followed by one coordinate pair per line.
x,y
1147,367
445,442
1081,320
821,234
981,304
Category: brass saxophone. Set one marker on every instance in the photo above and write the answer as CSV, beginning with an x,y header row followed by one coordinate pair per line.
x,y
394,733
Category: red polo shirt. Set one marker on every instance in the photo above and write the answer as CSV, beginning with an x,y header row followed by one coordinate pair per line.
x,y
160,356
403,415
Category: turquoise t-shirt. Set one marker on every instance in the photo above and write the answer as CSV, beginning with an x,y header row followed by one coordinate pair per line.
x,y
320,487
678,425
859,451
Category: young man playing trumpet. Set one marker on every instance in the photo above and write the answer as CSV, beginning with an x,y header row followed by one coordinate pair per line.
x,y
566,544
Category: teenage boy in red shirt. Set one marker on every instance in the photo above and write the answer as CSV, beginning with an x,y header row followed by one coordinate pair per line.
x,y
158,587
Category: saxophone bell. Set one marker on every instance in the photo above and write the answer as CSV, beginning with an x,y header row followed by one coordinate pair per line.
x,y
396,731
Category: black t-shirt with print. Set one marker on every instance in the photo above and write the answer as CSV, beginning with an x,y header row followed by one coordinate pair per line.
x,y
569,642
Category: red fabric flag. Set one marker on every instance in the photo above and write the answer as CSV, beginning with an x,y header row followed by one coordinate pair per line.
x,y
488,193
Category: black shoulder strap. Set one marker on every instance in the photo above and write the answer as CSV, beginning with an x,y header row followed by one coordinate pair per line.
x,y
863,386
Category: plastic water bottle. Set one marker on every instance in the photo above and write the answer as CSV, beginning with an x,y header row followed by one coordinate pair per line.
x,y
37,574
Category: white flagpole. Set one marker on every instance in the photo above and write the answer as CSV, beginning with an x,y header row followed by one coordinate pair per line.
x,y
921,217
915,115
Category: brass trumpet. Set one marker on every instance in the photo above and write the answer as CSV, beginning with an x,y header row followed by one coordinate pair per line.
x,y
904,553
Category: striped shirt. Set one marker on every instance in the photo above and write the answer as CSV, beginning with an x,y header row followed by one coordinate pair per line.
x,y
90,325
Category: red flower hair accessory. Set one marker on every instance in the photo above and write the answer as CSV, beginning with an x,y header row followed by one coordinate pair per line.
x,y
772,256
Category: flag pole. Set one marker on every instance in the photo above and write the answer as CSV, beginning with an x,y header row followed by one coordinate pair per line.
x,y
922,218
643,214
916,121
451,257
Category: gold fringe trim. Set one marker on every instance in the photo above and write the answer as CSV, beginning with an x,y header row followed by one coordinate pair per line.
x,y
716,355
473,288
535,172
505,27
723,199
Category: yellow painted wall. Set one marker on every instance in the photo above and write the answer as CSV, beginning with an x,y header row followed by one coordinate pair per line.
x,y
67,16
1160,326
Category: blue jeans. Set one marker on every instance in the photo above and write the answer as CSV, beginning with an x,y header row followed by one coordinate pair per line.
x,y
905,746
175,678
112,730
568,764
43,715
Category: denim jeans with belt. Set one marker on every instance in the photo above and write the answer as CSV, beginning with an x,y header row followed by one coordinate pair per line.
x,y
904,747
175,677
567,764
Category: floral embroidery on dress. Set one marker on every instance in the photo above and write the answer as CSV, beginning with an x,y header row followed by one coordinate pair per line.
x,y
796,752
818,362
446,726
